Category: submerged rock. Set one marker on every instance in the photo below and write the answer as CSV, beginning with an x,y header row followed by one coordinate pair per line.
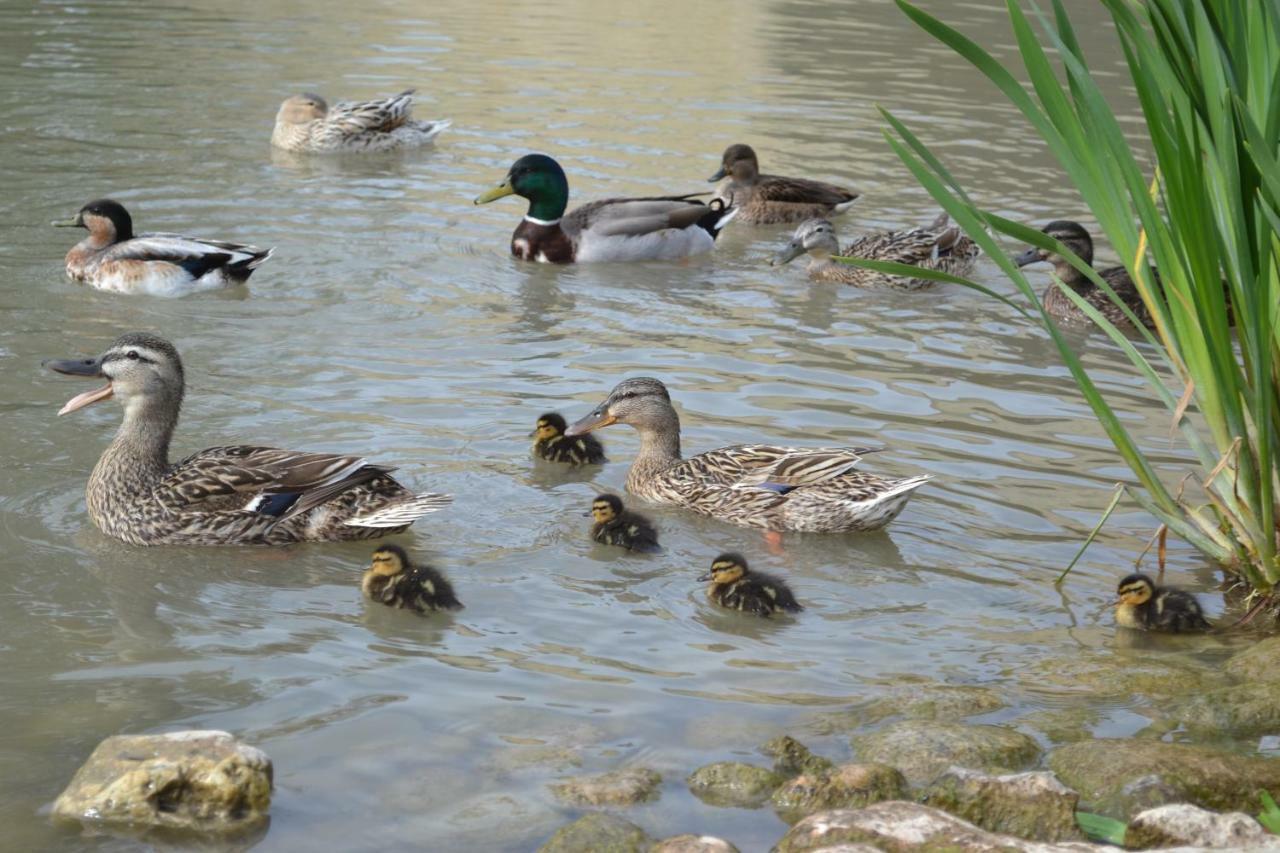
x,y
691,843
1029,805
624,787
848,786
926,701
1244,710
1108,673
598,832
1062,725
791,757
206,781
1182,824
1259,662
733,784
923,749
1122,777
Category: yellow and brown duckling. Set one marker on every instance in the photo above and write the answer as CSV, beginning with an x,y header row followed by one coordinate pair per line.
x,y
550,443
735,586
1148,607
393,580
615,525
772,199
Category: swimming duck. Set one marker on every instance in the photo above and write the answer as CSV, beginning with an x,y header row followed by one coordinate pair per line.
x,y
770,199
939,246
393,580
550,443
1144,605
113,258
305,123
614,525
735,586
236,495
1058,304
613,229
754,485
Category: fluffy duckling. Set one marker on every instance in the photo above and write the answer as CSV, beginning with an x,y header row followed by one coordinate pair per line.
x,y
615,525
393,580
771,199
1145,606
307,124
735,586
113,258
550,443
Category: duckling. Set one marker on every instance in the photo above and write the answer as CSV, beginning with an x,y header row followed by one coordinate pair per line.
x,y
550,443
1145,606
306,123
735,586
770,199
113,258
614,525
393,580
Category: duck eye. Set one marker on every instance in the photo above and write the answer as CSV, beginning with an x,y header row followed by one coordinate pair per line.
x,y
132,355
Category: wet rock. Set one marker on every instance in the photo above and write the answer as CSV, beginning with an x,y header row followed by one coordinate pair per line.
x,y
205,781
1029,805
1122,777
1182,824
928,701
1122,675
791,757
902,826
691,843
618,788
598,832
733,784
1062,725
1245,709
1259,662
848,786
923,749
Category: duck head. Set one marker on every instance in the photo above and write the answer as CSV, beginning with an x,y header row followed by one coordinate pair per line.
x,y
1135,590
106,221
1068,233
300,109
539,179
817,237
549,426
740,162
142,370
642,403
388,561
726,568
605,508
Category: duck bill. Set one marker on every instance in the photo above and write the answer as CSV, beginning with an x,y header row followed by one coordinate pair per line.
x,y
1030,256
76,221
788,254
597,419
704,577
88,398
90,367
717,176
502,190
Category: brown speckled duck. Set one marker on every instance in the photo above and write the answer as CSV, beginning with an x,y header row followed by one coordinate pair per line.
x,y
392,579
735,586
1143,605
550,443
770,199
236,495
307,124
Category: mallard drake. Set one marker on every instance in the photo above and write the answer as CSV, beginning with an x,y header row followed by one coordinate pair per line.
x,y
615,525
550,443
392,579
1058,304
237,495
613,229
754,485
770,199
305,123
1143,605
735,586
113,258
939,246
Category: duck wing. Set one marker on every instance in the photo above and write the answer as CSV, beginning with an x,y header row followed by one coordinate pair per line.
x,y
777,469
800,191
631,217
196,256
379,116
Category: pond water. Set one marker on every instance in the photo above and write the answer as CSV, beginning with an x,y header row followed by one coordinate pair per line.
x,y
393,322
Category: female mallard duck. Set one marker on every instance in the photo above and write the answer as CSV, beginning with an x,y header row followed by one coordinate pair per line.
x,y
113,258
754,485
393,580
939,246
237,495
550,443
305,123
770,199
1058,304
1143,605
735,586
614,229
615,525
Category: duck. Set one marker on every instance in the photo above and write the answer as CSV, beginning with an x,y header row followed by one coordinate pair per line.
x,y
735,586
615,525
937,246
307,124
1143,605
1075,237
114,259
613,229
392,579
550,443
764,486
770,199
227,495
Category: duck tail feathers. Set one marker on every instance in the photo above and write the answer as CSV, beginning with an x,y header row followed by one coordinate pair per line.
x,y
908,484
402,513
717,217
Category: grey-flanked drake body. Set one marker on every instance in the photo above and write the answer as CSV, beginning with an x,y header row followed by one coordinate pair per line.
x,y
307,124
773,199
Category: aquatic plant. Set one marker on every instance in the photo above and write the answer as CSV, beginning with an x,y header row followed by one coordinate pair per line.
x,y
1198,198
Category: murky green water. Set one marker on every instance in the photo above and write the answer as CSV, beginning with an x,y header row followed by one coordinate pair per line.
x,y
392,321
